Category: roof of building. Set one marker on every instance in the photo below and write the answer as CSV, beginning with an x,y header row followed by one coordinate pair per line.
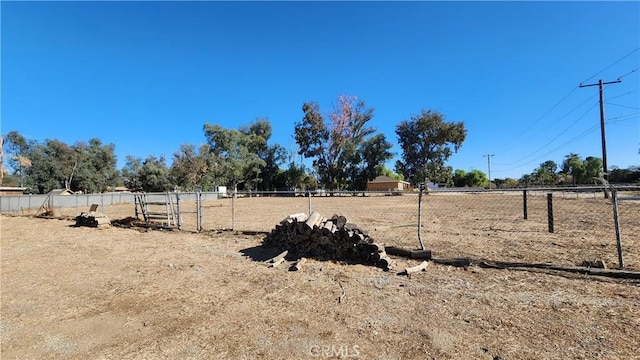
x,y
386,179
61,192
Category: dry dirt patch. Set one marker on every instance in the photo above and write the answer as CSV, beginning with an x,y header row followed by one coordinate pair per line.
x,y
125,294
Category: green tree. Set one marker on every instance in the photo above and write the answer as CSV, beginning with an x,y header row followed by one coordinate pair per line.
x,y
384,171
476,178
506,183
545,174
473,178
341,153
16,148
459,178
274,155
154,175
192,169
95,168
572,165
592,169
366,161
237,152
427,142
130,173
630,175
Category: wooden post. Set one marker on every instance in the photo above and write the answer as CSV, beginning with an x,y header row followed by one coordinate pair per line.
x,y
524,204
550,211
616,220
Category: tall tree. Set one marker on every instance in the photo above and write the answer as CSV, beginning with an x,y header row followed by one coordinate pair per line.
x,y
16,151
153,175
274,155
427,141
592,169
339,146
237,152
192,169
572,165
546,174
371,155
95,167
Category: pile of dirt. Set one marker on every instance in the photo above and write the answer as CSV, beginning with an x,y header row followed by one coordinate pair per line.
x,y
321,238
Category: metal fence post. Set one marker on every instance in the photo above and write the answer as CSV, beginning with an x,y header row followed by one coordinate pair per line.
x,y
309,196
616,220
233,212
524,203
550,211
178,210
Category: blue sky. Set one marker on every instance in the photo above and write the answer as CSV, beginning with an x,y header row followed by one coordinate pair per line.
x,y
146,76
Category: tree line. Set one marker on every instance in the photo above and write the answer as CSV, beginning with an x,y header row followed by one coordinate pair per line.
x,y
344,149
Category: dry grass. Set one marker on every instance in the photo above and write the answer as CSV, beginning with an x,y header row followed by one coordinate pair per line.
x,y
117,293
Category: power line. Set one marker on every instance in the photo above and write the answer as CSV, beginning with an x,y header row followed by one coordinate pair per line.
x,y
556,137
614,63
629,73
624,106
573,139
621,95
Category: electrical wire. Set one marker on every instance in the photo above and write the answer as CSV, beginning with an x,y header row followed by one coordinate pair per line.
x,y
624,106
561,133
614,63
629,73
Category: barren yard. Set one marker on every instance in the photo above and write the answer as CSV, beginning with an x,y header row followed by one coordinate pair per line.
x,y
114,293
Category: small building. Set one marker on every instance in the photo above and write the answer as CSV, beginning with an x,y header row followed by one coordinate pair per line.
x,y
12,190
61,192
385,183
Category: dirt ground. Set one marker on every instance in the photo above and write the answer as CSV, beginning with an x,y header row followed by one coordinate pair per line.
x,y
114,293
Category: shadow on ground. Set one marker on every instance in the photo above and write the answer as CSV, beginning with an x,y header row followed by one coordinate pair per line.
x,y
259,253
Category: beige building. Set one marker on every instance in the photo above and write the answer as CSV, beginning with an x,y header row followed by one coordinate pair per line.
x,y
385,183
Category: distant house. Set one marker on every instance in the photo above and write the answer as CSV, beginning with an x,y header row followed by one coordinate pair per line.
x,y
12,190
385,183
61,192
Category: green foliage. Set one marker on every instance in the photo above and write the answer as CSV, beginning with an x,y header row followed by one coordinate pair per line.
x,y
260,132
54,164
382,170
427,142
507,183
574,171
237,152
473,178
192,169
150,175
95,168
342,152
546,173
630,175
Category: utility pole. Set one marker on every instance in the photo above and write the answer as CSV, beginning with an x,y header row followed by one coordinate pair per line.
x,y
602,132
488,156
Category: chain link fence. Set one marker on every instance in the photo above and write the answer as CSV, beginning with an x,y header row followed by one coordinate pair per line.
x,y
566,226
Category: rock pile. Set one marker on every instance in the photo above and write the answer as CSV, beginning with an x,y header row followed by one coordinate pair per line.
x,y
321,238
